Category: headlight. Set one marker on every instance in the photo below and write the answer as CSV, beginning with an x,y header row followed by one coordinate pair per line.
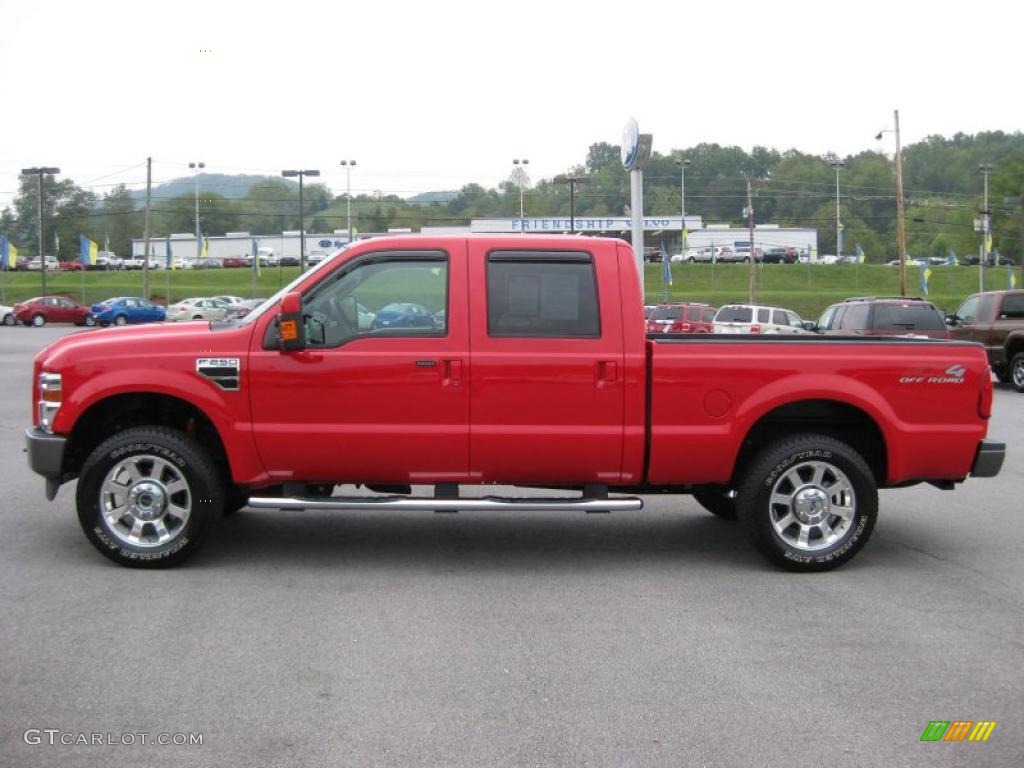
x,y
50,396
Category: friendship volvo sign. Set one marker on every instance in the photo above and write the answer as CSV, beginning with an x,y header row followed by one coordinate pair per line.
x,y
555,224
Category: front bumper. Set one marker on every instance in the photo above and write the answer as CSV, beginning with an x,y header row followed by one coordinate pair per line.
x,y
989,459
46,457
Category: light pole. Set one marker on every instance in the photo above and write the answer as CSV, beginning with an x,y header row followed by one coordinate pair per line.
x,y
984,169
838,165
302,231
901,232
520,174
39,173
348,165
196,167
682,198
572,181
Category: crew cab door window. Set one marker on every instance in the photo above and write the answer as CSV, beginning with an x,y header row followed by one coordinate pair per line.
x,y
1013,306
541,295
404,295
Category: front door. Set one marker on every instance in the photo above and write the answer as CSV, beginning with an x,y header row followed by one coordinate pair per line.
x,y
381,393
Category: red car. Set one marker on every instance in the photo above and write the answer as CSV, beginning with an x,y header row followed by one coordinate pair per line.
x,y
72,266
236,262
681,318
52,309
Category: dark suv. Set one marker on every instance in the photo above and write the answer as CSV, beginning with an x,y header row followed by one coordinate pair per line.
x,y
995,319
883,316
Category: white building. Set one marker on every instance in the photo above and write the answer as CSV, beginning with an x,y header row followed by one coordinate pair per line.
x,y
240,244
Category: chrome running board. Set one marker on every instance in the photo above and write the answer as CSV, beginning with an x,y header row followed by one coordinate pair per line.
x,y
487,504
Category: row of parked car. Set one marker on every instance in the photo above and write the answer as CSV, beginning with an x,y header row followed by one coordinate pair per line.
x,y
863,315
123,310
994,319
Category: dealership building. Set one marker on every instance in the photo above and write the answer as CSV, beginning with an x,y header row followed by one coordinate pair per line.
x,y
658,230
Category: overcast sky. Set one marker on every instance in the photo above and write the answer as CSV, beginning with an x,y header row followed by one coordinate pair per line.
x,y
432,95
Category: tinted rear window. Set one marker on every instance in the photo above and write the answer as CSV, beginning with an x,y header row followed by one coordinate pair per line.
x,y
911,317
733,315
667,313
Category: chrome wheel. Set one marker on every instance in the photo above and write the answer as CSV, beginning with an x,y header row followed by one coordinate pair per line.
x,y
812,506
145,501
1018,371
120,320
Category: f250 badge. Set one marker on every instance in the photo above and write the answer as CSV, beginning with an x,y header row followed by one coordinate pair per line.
x,y
222,371
952,375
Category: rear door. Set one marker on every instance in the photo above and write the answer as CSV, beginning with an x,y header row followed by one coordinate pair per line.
x,y
547,359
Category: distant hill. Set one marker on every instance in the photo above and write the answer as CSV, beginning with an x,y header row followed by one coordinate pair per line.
x,y
232,186
434,197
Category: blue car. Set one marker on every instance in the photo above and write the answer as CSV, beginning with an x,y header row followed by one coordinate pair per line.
x,y
127,309
403,315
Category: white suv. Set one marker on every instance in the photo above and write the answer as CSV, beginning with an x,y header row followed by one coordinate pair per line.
x,y
748,318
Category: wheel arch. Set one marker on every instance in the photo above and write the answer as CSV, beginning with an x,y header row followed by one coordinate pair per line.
x,y
122,411
841,420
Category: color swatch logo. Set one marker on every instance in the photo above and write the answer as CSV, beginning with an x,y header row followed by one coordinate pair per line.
x,y
958,730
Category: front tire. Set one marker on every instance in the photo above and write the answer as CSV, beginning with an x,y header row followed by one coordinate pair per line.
x,y
120,320
1017,372
38,321
147,497
90,321
809,502
8,319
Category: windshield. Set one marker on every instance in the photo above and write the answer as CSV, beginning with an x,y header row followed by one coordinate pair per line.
x,y
273,300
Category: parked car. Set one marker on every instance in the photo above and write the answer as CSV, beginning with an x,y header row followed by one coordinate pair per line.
x,y
229,299
70,266
694,255
748,318
198,309
36,265
779,255
235,262
995,319
127,309
682,318
402,315
106,260
243,308
288,261
883,316
7,315
52,309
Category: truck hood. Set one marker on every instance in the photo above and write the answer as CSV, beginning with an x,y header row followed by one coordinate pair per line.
x,y
141,341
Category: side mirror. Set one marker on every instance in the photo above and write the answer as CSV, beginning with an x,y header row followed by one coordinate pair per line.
x,y
291,328
810,325
952,320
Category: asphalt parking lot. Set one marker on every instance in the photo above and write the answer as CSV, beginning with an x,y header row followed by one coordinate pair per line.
x,y
394,639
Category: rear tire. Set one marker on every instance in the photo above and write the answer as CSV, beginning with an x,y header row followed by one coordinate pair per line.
x,y
147,497
8,319
809,502
120,320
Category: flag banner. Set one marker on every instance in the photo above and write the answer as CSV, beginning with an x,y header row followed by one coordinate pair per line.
x,y
169,252
1011,277
860,255
256,256
666,267
56,246
205,250
988,243
951,258
8,253
88,251
925,274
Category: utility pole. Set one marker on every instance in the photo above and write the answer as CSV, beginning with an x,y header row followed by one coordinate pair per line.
x,y
302,231
39,173
145,229
838,164
749,211
984,169
682,163
348,165
901,233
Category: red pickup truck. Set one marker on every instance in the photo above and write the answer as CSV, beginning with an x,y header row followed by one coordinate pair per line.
x,y
514,360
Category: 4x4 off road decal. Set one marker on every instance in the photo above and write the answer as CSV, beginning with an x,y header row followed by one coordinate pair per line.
x,y
223,371
952,375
